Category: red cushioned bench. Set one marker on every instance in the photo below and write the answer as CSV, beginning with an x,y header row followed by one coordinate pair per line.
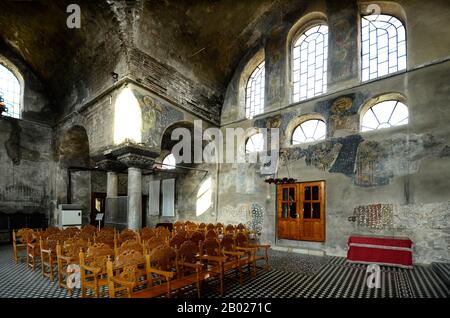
x,y
389,251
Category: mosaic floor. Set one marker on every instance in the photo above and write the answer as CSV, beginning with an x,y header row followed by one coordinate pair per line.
x,y
291,275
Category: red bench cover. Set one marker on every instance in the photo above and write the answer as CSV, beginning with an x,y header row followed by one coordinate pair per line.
x,y
388,251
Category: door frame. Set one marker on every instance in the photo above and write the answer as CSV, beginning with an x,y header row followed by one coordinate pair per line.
x,y
324,203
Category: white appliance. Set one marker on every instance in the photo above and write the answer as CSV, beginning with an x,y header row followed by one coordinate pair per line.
x,y
70,215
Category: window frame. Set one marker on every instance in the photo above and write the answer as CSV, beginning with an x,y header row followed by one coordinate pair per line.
x,y
13,69
248,140
248,108
298,33
368,107
301,123
361,69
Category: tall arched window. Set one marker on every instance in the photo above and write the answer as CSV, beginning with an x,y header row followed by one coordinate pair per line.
x,y
255,143
169,162
254,102
384,115
309,63
383,43
10,90
309,131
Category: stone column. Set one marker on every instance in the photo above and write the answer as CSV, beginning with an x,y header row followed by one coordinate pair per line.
x,y
112,184
135,158
134,198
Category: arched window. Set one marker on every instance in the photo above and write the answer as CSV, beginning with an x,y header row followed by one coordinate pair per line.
x,y
254,102
169,162
383,42
10,90
309,63
308,131
384,115
255,143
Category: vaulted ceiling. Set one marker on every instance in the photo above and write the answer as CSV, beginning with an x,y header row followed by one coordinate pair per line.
x,y
203,39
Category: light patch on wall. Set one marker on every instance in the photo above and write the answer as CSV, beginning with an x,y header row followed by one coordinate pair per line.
x,y
127,118
204,197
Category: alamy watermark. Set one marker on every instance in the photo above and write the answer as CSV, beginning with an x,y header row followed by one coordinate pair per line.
x,y
225,146
374,279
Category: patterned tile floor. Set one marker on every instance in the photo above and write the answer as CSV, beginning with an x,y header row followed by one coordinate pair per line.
x,y
291,275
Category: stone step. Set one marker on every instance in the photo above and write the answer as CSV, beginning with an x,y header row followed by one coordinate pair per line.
x,y
443,271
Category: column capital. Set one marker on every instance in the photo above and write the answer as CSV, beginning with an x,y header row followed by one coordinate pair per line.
x,y
132,160
111,165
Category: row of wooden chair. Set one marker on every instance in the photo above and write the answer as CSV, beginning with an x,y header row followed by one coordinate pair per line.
x,y
156,261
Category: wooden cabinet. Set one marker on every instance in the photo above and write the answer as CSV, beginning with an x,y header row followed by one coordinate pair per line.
x,y
301,211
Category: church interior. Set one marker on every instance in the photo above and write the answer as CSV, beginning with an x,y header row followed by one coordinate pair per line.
x,y
224,149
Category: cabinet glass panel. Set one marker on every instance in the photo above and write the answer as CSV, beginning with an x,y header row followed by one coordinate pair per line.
x,y
315,193
306,210
291,194
285,194
307,193
316,210
284,210
293,210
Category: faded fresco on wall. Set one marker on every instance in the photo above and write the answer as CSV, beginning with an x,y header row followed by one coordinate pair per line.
x,y
156,116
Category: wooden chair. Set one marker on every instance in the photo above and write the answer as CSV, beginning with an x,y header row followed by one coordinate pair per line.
x,y
33,250
126,273
163,233
241,258
177,240
160,266
93,269
129,245
230,229
49,264
197,237
147,233
211,234
243,243
67,253
20,239
210,226
126,235
211,257
202,227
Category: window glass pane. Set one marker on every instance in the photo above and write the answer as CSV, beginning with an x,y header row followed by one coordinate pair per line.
x,y
255,143
311,62
10,90
284,210
309,131
293,210
316,210
384,38
292,194
315,193
306,210
285,194
385,114
255,92
307,193
169,162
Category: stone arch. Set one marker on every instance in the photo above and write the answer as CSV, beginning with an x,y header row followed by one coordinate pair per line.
x,y
73,148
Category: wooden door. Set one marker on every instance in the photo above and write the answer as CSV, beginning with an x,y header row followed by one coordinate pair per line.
x,y
312,220
301,211
288,216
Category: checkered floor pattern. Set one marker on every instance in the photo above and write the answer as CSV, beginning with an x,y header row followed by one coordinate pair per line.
x,y
333,278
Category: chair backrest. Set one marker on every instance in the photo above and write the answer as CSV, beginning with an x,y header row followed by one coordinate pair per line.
x,y
163,258
210,246
130,245
227,243
241,239
197,237
230,228
177,240
188,252
211,234
153,243
126,235
210,226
